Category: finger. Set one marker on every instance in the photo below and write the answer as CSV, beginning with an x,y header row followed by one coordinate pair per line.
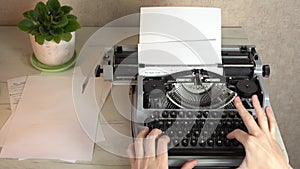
x,y
271,121
162,151
190,164
238,134
261,117
130,154
247,118
139,143
150,142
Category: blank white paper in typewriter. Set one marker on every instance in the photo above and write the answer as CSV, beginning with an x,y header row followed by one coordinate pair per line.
x,y
173,39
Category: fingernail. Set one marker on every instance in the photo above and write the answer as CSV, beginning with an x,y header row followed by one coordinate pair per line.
x,y
237,99
254,97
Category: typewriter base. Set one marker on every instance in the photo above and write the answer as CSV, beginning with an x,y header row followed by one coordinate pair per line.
x,y
206,162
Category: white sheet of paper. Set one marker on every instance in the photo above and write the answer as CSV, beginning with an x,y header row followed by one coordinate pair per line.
x,y
45,125
179,37
15,89
89,94
102,89
165,24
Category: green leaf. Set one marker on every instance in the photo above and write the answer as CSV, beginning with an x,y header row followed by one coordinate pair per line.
x,y
49,37
56,32
63,22
35,32
57,39
26,25
53,5
66,37
39,39
47,23
71,17
59,15
52,19
42,30
42,9
31,14
66,9
72,26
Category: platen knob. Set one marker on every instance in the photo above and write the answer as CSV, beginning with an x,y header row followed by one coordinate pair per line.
x,y
266,71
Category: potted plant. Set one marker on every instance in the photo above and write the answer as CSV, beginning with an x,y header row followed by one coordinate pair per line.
x,y
51,28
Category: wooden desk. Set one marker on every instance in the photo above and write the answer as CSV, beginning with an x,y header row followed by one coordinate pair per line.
x,y
14,62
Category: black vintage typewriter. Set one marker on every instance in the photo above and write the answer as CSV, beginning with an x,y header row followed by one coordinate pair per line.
x,y
194,107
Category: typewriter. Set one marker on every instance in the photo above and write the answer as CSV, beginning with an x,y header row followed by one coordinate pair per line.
x,y
193,107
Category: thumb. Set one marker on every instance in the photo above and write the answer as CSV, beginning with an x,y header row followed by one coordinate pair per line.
x,y
190,164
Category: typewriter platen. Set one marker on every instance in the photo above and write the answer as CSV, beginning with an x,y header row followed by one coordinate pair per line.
x,y
193,107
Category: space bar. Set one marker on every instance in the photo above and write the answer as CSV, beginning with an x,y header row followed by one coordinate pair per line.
x,y
205,152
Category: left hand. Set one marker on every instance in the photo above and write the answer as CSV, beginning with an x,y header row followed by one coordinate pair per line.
x,y
148,157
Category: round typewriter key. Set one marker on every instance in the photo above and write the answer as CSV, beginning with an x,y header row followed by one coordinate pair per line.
x,y
179,133
185,123
169,123
205,133
161,125
215,114
228,124
210,142
222,133
220,123
170,133
188,133
227,142
181,114
165,114
173,114
200,123
196,133
176,142
193,142
224,114
232,114
205,114
184,142
199,114
202,142
211,123
190,114
219,142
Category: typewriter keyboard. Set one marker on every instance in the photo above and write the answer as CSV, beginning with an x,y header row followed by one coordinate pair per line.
x,y
201,133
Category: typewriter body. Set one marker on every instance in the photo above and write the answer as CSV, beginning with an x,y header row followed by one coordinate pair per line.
x,y
193,107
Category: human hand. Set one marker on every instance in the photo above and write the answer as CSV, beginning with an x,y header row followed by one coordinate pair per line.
x,y
148,157
262,149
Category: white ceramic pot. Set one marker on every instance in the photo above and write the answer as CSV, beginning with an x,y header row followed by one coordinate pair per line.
x,y
53,54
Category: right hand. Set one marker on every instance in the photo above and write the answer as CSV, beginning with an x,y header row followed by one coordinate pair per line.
x,y
262,149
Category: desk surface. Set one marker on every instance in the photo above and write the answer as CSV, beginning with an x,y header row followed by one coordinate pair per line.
x,y
14,62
